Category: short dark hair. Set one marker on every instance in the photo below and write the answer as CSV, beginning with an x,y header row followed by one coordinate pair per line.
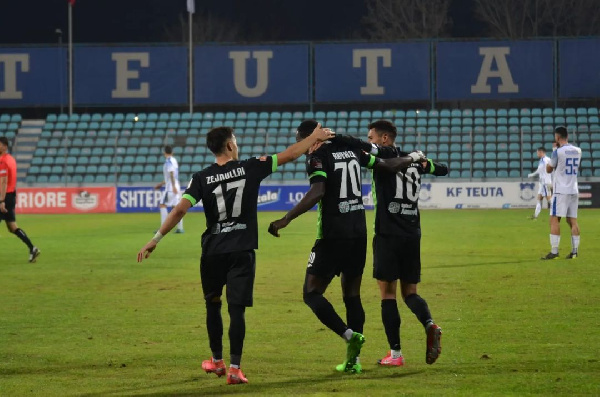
x,y
217,137
384,127
541,149
4,140
168,149
562,131
306,128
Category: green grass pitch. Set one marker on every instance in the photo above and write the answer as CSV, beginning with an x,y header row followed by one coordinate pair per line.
x,y
88,320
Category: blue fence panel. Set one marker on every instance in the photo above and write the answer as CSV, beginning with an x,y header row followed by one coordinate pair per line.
x,y
274,74
131,75
271,198
495,70
251,74
33,76
371,72
579,68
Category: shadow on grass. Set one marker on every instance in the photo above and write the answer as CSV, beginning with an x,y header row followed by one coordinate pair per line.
x,y
481,264
219,387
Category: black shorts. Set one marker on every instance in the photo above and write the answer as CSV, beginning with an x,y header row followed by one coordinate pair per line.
x,y
235,270
10,201
397,257
329,258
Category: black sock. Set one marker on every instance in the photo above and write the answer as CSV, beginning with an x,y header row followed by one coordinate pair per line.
x,y
214,326
355,314
237,333
419,307
391,322
325,312
20,233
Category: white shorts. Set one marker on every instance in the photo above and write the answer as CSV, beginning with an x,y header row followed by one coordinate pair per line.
x,y
545,190
170,199
564,205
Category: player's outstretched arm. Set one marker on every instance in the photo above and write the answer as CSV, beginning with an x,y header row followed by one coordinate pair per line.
x,y
310,199
397,164
541,168
172,220
371,148
299,148
172,174
433,168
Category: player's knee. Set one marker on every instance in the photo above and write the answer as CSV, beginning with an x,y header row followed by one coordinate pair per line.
x,y
409,296
236,310
212,299
353,300
407,289
311,298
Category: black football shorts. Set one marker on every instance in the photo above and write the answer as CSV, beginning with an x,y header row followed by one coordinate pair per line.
x,y
235,270
329,257
10,203
397,257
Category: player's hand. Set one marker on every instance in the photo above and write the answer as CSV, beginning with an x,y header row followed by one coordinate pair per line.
x,y
315,146
3,208
277,225
323,134
175,191
146,251
418,156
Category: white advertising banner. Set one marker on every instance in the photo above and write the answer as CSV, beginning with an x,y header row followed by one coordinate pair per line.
x,y
463,195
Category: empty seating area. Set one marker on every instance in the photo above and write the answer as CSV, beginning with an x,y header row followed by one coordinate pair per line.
x,y
475,143
127,148
9,124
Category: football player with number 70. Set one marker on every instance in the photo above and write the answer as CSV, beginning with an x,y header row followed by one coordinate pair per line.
x,y
341,245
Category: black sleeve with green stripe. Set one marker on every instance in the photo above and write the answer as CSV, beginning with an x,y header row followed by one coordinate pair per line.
x,y
262,167
367,160
316,167
437,169
193,193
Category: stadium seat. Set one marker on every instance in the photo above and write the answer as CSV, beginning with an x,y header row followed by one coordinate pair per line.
x,y
444,133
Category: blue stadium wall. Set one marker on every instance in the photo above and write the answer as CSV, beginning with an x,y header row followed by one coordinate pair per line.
x,y
112,75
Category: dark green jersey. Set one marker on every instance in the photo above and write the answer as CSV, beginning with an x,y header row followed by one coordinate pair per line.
x,y
341,210
229,195
396,196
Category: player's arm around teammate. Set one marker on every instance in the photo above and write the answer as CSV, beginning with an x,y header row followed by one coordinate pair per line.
x,y
317,190
290,154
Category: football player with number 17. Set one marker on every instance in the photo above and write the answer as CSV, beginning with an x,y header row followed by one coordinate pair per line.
x,y
228,190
